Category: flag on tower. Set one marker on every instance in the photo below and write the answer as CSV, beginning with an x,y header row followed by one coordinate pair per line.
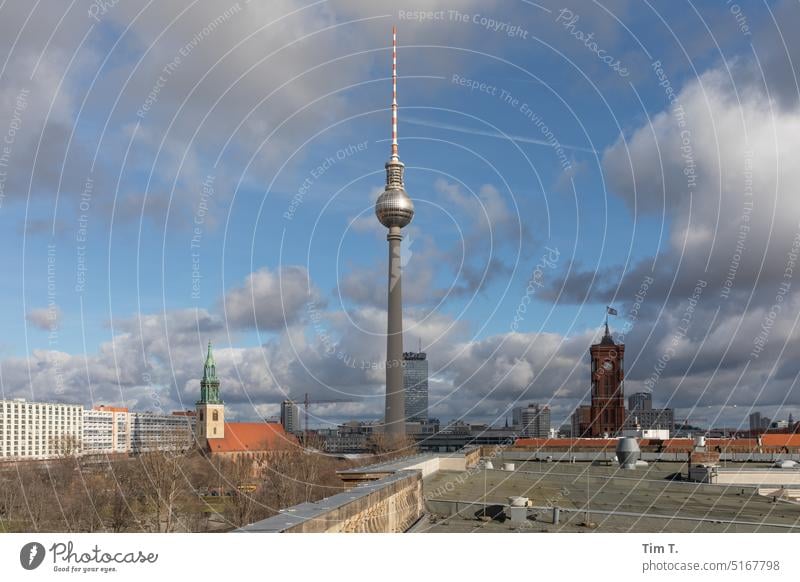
x,y
611,311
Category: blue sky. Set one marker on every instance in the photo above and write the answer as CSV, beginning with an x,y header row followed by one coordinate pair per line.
x,y
525,128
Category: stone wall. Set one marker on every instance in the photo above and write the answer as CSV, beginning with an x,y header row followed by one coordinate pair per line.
x,y
389,505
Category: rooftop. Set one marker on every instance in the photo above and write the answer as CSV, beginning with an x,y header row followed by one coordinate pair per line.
x,y
643,500
251,436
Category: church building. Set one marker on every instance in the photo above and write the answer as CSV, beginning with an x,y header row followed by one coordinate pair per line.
x,y
232,439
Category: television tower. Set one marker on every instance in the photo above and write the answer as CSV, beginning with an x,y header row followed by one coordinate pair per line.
x,y
394,210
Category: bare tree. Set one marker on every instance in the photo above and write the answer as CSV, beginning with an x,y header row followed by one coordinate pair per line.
x,y
162,485
240,474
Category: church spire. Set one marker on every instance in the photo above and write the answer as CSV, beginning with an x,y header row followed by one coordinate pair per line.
x,y
209,385
210,368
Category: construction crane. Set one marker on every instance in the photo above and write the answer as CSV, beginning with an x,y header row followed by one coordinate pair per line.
x,y
307,401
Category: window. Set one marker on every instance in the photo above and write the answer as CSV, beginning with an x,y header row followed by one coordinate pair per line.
x,y
215,416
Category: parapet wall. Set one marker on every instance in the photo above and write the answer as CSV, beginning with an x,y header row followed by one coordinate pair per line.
x,y
389,505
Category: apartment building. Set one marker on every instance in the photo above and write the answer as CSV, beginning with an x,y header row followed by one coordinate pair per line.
x,y
39,430
106,430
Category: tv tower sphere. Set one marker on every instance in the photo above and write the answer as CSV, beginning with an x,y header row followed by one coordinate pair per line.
x,y
393,207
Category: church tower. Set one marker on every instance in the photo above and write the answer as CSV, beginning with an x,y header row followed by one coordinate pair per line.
x,y
608,404
210,408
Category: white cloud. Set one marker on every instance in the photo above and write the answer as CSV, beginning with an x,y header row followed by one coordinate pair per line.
x,y
269,300
44,318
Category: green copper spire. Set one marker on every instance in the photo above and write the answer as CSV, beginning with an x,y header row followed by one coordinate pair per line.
x,y
209,385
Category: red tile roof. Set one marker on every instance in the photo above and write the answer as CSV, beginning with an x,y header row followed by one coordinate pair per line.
x,y
566,443
252,436
781,440
673,445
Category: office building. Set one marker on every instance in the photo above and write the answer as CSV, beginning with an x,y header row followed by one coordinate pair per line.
x,y
580,421
651,419
415,383
758,422
535,421
640,401
290,417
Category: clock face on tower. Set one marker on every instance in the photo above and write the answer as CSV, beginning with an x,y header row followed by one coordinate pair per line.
x,y
607,365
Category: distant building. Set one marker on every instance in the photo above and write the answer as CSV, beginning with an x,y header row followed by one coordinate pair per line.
x,y
161,432
516,416
348,442
654,434
415,383
535,421
758,422
426,427
351,437
640,401
290,417
651,419
39,430
581,420
456,427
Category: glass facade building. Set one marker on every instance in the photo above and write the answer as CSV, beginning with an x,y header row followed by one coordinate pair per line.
x,y
415,383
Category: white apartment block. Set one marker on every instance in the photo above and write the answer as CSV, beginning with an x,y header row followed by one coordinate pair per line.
x,y
152,432
46,430
106,430
39,430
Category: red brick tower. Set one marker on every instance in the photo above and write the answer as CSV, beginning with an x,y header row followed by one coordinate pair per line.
x,y
608,403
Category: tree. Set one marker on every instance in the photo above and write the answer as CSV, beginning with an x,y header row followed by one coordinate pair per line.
x,y
160,487
241,505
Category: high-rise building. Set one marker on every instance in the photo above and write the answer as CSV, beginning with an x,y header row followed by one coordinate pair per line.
x,y
640,401
394,210
290,417
40,430
608,404
516,416
759,422
415,384
535,421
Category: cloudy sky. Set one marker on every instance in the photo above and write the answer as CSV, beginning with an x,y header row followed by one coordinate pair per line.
x,y
178,172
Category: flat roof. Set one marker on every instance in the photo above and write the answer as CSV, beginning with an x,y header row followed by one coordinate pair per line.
x,y
647,499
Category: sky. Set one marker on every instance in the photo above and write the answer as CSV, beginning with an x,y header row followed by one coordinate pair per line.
x,y
184,172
